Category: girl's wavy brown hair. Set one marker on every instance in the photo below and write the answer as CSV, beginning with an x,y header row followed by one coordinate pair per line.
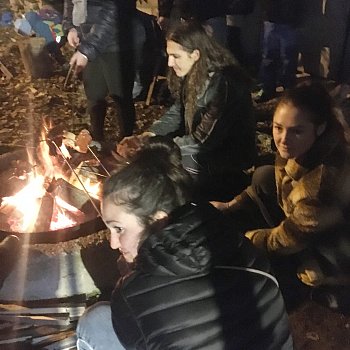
x,y
213,57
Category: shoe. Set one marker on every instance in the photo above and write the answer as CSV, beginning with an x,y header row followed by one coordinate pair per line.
x,y
335,298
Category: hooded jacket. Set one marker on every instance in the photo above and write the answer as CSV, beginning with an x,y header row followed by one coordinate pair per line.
x,y
198,284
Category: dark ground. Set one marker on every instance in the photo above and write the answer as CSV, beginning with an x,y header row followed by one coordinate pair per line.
x,y
25,102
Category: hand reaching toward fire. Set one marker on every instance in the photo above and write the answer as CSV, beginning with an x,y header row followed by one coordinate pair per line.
x,y
130,145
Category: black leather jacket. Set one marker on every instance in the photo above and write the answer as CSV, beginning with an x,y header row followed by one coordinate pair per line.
x,y
107,27
223,123
192,289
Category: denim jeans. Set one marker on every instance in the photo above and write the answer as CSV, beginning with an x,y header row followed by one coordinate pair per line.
x,y
279,57
95,330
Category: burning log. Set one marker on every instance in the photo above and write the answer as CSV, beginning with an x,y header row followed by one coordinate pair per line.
x,y
44,218
72,195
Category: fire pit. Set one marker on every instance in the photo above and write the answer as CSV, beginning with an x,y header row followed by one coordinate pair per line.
x,y
51,195
49,198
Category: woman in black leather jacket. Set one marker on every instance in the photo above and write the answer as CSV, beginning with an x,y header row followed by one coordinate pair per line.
x,y
212,118
194,282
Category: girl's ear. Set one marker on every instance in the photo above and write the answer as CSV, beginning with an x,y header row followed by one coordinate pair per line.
x,y
320,129
160,215
160,219
195,55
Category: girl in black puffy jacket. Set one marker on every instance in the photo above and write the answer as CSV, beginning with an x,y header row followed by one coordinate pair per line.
x,y
193,282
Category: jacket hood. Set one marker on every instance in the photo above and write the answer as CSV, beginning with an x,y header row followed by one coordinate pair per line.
x,y
189,244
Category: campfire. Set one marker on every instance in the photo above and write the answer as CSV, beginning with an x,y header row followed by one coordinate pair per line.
x,y
50,198
51,187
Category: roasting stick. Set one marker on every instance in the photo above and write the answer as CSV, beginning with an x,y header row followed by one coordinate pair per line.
x,y
98,160
95,156
70,71
92,172
77,176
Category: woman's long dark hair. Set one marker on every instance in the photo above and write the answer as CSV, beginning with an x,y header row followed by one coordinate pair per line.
x,y
213,57
154,181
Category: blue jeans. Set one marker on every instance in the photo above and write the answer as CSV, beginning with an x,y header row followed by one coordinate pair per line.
x,y
95,330
279,56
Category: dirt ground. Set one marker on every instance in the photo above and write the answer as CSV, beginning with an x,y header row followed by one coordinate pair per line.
x,y
24,102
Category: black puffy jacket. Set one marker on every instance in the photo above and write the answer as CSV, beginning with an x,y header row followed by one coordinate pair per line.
x,y
108,26
198,284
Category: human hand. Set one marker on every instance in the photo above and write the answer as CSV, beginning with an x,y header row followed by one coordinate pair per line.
x,y
310,273
73,38
163,22
222,206
79,61
129,145
258,238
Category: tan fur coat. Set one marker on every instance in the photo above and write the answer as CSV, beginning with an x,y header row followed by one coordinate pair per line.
x,y
315,196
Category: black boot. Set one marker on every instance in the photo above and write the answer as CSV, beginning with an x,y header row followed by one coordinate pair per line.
x,y
97,111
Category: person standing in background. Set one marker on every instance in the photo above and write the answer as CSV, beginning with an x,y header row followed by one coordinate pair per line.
x,y
338,20
102,33
211,14
280,51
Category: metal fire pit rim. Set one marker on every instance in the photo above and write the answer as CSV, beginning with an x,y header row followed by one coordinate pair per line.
x,y
61,235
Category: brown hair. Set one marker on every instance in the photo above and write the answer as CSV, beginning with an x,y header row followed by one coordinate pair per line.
x,y
191,36
317,103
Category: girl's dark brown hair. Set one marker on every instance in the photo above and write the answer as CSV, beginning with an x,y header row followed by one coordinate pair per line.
x,y
153,181
318,104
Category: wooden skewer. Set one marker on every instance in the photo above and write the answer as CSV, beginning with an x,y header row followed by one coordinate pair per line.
x,y
69,74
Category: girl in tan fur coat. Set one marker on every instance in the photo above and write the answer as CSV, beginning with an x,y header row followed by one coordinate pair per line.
x,y
305,197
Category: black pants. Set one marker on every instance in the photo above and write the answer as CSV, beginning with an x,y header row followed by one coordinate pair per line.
x,y
110,74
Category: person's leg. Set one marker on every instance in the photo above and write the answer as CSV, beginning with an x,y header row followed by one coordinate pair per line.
x,y
263,192
95,329
119,72
234,43
270,59
257,206
139,40
289,56
96,91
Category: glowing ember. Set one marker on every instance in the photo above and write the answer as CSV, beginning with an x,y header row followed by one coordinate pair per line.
x,y
27,204
93,189
60,218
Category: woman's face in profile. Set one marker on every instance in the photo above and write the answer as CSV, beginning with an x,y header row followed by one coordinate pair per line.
x,y
179,59
293,132
125,228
